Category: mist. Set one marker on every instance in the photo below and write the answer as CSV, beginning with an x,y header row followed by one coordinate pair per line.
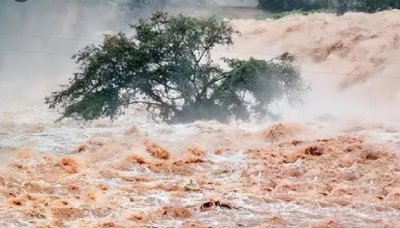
x,y
350,61
38,38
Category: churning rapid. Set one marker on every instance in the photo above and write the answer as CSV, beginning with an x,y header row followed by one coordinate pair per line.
x,y
351,61
331,162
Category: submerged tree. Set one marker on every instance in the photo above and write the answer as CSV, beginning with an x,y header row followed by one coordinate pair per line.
x,y
167,66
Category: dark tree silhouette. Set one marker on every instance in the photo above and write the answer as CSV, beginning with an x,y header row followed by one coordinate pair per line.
x,y
167,66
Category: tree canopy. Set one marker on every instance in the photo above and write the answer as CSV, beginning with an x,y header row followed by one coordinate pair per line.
x,y
167,67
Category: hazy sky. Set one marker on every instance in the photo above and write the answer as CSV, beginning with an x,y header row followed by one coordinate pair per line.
x,y
37,39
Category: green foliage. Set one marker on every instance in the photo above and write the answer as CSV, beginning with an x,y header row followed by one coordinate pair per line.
x,y
371,6
299,12
289,5
340,6
167,67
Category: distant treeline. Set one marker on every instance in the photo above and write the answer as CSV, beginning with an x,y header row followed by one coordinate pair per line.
x,y
340,6
273,6
160,4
